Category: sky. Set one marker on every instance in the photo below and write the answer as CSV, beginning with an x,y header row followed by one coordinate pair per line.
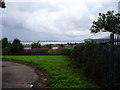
x,y
46,20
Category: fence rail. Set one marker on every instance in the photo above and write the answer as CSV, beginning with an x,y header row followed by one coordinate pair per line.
x,y
110,59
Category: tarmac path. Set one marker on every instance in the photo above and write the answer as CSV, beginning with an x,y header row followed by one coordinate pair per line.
x,y
16,75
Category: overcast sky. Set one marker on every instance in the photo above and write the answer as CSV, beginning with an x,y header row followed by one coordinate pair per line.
x,y
64,20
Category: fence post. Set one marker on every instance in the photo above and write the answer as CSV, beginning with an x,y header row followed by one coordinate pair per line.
x,y
111,62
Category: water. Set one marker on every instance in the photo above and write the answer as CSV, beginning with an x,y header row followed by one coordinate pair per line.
x,y
44,43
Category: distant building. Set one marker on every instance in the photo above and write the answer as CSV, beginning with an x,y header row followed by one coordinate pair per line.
x,y
104,40
98,41
55,47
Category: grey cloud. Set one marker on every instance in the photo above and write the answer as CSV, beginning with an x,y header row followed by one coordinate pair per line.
x,y
45,20
102,7
34,6
27,35
12,24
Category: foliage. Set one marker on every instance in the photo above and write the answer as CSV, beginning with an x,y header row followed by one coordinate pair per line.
x,y
107,22
2,4
70,51
85,57
36,45
58,70
62,45
16,47
6,46
0,47
35,52
45,51
37,49
88,42
4,42
60,51
47,46
11,48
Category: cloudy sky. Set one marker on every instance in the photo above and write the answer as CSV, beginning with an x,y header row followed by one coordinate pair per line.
x,y
63,20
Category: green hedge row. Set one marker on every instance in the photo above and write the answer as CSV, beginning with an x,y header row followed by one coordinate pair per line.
x,y
86,58
37,52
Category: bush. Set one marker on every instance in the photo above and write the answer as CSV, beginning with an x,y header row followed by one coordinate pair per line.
x,y
16,47
57,52
36,45
13,48
45,52
86,58
5,46
37,52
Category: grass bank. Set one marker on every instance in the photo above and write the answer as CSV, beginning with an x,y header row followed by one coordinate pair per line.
x,y
58,70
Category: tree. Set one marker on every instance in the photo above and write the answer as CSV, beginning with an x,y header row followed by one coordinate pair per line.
x,y
36,45
47,46
4,42
6,46
17,47
107,22
2,4
62,45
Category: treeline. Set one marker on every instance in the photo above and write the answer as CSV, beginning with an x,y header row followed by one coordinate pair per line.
x,y
9,48
16,48
38,45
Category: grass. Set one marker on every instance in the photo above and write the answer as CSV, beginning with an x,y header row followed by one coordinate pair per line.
x,y
57,69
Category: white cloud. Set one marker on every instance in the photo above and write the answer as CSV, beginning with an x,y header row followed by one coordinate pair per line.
x,y
60,0
63,19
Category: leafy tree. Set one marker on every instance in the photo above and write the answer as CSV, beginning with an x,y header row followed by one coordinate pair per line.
x,y
2,4
48,46
4,42
36,45
16,47
62,45
107,22
5,45
87,42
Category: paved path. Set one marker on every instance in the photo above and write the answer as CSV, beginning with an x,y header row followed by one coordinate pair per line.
x,y
16,75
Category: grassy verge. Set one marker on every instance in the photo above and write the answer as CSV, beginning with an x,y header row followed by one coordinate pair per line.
x,y
58,70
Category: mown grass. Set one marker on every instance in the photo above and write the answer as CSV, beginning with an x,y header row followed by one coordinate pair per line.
x,y
58,70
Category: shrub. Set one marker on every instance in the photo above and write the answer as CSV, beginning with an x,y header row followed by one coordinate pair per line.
x,y
17,47
86,58
45,51
35,52
60,51
36,45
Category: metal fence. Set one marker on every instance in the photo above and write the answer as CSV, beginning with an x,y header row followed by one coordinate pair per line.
x,y
110,61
